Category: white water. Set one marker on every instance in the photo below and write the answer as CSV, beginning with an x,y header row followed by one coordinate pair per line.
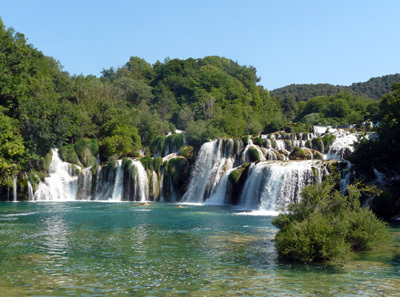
x,y
219,197
271,186
30,191
211,164
343,145
60,185
85,184
379,177
119,183
245,155
15,189
141,181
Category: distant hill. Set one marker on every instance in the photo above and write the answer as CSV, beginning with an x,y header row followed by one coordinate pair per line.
x,y
374,89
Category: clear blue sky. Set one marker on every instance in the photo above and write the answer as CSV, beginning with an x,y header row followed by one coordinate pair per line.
x,y
288,41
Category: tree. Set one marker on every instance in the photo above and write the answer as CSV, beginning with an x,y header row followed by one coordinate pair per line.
x,y
326,225
11,149
136,91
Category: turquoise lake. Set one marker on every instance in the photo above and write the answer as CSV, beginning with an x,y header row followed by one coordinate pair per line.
x,y
122,249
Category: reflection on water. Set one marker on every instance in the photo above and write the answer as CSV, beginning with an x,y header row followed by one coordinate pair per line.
x,y
101,249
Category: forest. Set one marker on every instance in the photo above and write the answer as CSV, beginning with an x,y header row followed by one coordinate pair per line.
x,y
129,109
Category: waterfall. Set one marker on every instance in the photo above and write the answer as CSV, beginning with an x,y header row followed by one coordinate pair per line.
x,y
141,182
119,183
30,191
343,145
214,159
219,197
273,185
245,157
62,184
15,189
105,182
85,184
155,190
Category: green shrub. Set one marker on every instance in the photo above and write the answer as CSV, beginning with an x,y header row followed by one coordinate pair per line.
x,y
326,225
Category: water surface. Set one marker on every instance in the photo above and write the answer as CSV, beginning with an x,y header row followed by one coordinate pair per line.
x,y
119,249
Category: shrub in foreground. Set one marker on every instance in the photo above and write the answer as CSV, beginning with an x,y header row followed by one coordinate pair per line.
x,y
326,225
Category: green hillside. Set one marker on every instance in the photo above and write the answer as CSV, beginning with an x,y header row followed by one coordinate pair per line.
x,y
373,89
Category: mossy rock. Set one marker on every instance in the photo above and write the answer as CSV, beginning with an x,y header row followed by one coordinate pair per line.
x,y
253,154
235,175
283,153
266,144
298,154
87,150
69,155
257,141
245,140
187,151
126,164
318,144
73,170
316,154
112,163
274,144
308,144
157,163
157,146
147,163
327,140
173,141
178,168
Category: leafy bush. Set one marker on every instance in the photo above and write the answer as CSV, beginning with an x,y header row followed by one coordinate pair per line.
x,y
326,225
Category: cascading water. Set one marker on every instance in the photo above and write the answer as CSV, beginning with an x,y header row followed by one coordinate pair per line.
x,y
343,145
61,185
15,189
219,196
30,191
85,184
267,185
272,186
141,181
214,159
119,183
